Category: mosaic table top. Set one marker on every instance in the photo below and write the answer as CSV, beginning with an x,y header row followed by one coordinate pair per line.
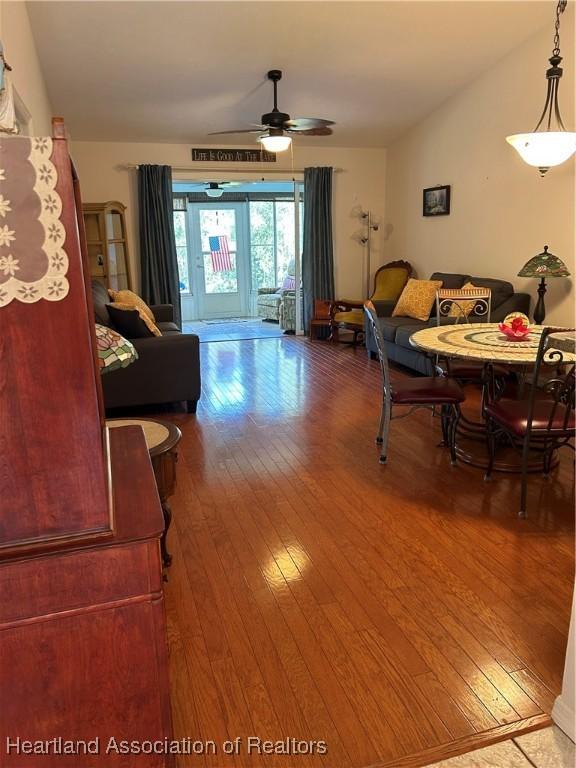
x,y
480,341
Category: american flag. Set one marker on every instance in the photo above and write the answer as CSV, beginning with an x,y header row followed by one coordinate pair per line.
x,y
221,259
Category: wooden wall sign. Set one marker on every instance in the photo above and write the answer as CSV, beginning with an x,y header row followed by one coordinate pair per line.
x,y
227,155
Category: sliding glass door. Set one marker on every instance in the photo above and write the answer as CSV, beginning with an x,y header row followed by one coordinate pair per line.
x,y
231,251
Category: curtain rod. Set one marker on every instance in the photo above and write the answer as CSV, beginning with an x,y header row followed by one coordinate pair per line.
x,y
200,169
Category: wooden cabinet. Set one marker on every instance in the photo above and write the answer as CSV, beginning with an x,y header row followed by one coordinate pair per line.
x,y
83,651
107,244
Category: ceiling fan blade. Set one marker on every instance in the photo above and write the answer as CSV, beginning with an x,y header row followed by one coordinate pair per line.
x,y
323,131
307,123
240,130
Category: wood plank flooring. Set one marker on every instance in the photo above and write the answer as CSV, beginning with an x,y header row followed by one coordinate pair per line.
x,y
388,611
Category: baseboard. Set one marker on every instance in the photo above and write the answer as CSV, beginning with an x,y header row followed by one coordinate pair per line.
x,y
468,743
564,717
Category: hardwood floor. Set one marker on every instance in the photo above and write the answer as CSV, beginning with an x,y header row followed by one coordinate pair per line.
x,y
389,611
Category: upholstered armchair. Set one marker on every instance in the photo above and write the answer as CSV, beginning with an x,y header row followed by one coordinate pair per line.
x,y
389,282
269,300
288,311
268,303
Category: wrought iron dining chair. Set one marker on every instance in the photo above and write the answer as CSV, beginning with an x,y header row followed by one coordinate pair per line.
x,y
544,420
467,305
418,392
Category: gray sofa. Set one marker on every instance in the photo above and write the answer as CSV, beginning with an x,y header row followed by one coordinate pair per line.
x,y
168,366
397,330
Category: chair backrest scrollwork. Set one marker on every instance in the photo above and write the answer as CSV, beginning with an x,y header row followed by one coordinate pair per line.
x,y
466,304
556,352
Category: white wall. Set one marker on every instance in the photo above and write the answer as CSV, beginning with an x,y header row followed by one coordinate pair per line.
x,y
361,182
564,711
26,75
502,211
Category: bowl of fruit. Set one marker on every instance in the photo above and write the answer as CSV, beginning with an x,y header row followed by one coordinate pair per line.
x,y
516,326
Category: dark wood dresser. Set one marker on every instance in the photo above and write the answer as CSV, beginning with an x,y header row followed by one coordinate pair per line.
x,y
83,652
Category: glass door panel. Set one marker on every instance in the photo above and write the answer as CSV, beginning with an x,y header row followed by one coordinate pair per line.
x,y
117,271
220,268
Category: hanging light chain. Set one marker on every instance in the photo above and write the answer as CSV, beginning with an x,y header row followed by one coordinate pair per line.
x,y
559,10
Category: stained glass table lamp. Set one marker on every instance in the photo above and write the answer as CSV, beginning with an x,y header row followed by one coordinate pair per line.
x,y
543,265
114,351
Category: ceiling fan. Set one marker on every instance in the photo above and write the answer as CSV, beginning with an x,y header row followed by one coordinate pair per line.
x,y
214,188
275,127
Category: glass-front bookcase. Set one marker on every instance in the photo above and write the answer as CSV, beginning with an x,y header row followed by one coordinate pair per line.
x,y
107,242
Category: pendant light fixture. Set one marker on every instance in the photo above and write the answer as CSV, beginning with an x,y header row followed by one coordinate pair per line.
x,y
550,143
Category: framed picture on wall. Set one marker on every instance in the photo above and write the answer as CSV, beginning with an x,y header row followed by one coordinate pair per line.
x,y
436,201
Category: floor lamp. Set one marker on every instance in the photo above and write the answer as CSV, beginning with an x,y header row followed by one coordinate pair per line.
x,y
365,239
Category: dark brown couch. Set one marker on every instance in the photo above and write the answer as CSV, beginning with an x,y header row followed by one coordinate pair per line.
x,y
168,366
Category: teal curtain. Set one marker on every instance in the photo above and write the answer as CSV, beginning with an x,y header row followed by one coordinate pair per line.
x,y
317,252
158,261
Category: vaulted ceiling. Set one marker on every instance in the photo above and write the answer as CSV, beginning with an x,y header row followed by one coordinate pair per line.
x,y
174,71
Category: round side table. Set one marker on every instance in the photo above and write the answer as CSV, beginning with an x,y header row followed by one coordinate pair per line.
x,y
162,439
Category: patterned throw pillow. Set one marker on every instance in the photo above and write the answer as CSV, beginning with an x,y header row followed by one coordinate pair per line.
x,y
129,297
463,307
149,323
417,299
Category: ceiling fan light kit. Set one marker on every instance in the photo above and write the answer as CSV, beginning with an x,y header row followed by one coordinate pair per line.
x,y
275,141
551,145
275,127
214,189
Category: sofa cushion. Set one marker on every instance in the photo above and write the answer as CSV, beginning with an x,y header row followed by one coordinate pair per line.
x,y
390,325
405,331
449,279
433,322
501,289
100,300
168,328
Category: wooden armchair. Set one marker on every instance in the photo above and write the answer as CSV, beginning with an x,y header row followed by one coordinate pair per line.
x,y
389,282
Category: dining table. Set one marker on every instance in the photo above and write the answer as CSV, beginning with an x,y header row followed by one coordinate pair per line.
x,y
487,344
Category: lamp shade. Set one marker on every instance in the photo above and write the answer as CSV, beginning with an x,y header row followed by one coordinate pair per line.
x,y
544,265
114,351
544,149
275,143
